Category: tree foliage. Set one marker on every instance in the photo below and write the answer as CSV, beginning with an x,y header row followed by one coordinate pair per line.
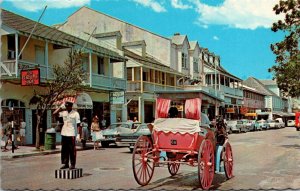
x,y
287,70
68,78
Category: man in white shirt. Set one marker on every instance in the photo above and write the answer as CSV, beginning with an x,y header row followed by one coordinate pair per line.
x,y
69,131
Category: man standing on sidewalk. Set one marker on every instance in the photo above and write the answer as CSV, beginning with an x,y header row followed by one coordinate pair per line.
x,y
69,131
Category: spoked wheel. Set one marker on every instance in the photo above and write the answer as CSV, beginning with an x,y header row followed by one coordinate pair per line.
x,y
206,164
142,161
173,167
228,161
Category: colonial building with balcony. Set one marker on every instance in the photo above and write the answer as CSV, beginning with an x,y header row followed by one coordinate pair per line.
x,y
47,47
155,63
253,100
275,105
222,82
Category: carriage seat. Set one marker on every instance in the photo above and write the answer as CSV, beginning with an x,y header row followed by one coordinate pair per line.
x,y
177,125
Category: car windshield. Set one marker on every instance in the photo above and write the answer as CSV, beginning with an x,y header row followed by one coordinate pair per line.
x,y
239,122
124,125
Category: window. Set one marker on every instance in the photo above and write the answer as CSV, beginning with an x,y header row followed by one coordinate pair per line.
x,y
100,65
11,47
129,74
196,64
184,60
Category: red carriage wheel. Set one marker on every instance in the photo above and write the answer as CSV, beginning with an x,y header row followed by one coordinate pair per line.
x,y
142,160
206,164
173,167
228,161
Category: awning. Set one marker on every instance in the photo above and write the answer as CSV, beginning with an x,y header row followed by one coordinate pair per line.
x,y
250,114
283,114
81,101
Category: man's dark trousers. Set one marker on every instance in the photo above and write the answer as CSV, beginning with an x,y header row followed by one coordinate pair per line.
x,y
68,150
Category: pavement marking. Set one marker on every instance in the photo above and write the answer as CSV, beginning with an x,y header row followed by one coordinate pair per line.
x,y
108,169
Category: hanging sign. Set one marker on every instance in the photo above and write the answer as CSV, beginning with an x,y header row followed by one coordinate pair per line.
x,y
30,77
117,97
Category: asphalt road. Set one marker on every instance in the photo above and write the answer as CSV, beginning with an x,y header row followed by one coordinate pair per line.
x,y
263,160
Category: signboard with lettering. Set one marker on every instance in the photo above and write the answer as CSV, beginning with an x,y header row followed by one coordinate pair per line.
x,y
243,110
30,77
117,98
230,110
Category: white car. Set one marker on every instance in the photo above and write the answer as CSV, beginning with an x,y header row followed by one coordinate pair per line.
x,y
279,123
291,123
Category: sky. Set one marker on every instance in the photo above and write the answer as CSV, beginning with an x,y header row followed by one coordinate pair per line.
x,y
239,31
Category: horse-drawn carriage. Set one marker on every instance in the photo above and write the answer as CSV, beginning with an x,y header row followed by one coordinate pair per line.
x,y
185,141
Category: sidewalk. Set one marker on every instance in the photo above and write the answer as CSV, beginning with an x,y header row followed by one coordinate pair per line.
x,y
25,151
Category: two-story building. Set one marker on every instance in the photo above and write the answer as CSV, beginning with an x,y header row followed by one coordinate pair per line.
x,y
155,62
45,48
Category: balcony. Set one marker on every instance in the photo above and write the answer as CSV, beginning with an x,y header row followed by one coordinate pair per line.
x,y
135,86
8,71
232,91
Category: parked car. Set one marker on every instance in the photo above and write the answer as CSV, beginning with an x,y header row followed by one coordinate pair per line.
x,y
251,125
243,125
291,123
112,133
129,139
231,126
272,124
279,123
261,125
297,121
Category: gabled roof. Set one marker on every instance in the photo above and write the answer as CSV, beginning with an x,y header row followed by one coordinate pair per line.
x,y
193,45
255,83
178,39
269,82
24,27
150,62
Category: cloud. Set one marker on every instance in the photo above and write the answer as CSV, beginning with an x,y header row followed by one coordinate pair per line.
x,y
177,4
152,4
216,38
243,14
36,5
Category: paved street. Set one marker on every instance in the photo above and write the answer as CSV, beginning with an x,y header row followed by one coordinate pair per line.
x,y
263,160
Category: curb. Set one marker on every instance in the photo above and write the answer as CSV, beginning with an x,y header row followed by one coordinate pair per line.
x,y
38,153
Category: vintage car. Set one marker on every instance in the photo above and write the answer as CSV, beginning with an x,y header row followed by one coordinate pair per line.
x,y
231,127
291,123
279,123
111,134
243,125
128,139
261,125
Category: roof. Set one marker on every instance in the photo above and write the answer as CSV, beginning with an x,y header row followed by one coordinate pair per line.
x,y
221,69
193,45
255,83
150,62
178,39
24,27
134,43
269,82
252,89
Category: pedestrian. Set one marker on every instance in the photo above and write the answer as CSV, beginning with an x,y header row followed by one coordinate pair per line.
x,y
135,119
128,119
84,132
103,122
69,131
119,119
22,131
95,132
7,133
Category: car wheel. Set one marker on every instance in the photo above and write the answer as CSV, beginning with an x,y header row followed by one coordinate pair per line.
x,y
131,149
105,144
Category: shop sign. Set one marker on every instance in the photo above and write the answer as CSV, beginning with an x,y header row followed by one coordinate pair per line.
x,y
117,98
243,110
30,77
230,110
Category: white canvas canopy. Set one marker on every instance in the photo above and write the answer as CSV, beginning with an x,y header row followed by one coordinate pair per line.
x,y
177,125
